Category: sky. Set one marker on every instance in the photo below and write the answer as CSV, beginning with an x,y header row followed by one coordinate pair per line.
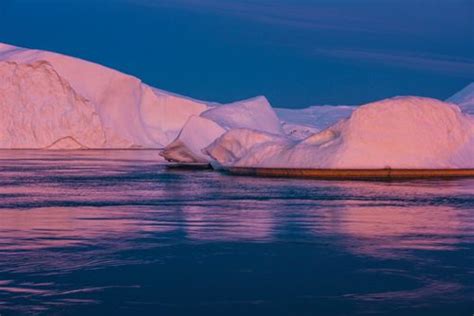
x,y
295,52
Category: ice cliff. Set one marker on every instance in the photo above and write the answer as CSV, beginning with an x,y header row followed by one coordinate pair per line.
x,y
46,97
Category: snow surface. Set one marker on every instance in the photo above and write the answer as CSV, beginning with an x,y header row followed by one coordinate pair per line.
x,y
319,116
41,110
238,144
465,99
255,114
401,132
197,133
96,106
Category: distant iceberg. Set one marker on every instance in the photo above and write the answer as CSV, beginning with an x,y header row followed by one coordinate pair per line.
x,y
301,123
465,99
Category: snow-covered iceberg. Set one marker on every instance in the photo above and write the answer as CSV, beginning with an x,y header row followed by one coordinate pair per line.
x,y
52,100
197,134
401,132
255,114
41,110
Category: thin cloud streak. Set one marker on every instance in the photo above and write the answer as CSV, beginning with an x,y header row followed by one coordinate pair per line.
x,y
377,33
459,67
345,16
273,13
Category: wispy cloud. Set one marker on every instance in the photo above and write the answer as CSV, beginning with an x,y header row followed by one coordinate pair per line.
x,y
461,67
275,12
346,15
402,33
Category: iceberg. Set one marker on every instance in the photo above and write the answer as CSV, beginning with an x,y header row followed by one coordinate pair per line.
x,y
197,134
255,114
465,99
47,97
41,110
401,132
53,101
253,146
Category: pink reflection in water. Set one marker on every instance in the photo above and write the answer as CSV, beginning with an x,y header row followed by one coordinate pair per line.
x,y
380,219
228,225
169,208
377,230
65,227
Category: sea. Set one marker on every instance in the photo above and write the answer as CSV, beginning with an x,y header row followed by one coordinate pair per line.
x,y
120,233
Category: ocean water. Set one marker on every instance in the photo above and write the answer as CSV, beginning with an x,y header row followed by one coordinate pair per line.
x,y
116,232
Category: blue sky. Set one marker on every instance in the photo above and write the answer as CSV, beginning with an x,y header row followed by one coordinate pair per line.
x,y
296,52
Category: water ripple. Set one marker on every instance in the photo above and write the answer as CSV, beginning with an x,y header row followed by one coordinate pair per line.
x,y
64,215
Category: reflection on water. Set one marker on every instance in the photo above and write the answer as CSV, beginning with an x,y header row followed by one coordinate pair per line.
x,y
116,232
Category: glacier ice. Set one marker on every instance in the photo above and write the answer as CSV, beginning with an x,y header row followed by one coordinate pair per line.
x,y
53,101
255,114
401,132
198,133
301,123
41,110
94,105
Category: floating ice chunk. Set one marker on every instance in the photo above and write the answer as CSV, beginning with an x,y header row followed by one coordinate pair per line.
x,y
197,133
256,114
252,145
402,132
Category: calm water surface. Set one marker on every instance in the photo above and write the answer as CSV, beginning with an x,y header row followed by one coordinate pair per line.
x,y
115,232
